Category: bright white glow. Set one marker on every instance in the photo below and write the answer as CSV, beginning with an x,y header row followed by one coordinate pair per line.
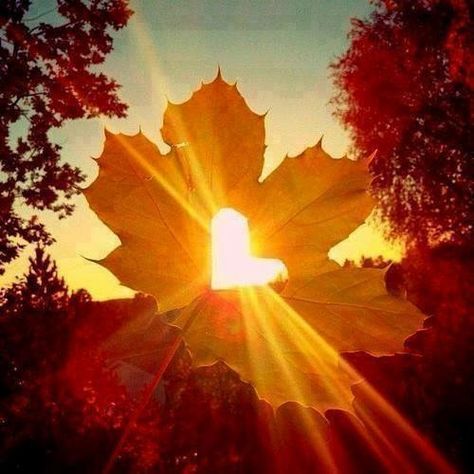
x,y
232,263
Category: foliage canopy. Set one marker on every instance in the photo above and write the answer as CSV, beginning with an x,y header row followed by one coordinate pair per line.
x,y
405,87
48,75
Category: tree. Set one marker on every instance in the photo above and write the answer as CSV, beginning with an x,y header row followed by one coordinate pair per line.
x,y
405,89
41,288
61,406
35,317
48,75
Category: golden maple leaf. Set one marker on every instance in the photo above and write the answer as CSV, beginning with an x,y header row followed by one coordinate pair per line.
x,y
160,206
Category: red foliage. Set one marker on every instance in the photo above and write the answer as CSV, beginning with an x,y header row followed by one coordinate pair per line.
x,y
405,89
432,384
64,400
48,76
62,408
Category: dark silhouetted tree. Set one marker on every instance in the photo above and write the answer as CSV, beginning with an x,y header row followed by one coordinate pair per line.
x,y
35,318
62,407
48,75
41,288
405,89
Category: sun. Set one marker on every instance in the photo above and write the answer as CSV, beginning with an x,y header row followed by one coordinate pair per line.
x,y
233,265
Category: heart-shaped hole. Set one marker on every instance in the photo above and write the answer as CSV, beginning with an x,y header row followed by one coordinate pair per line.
x,y
233,265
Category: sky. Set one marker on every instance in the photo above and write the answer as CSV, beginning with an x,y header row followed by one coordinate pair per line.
x,y
277,51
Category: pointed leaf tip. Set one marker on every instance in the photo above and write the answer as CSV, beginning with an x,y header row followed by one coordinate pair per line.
x,y
108,133
368,159
169,103
92,260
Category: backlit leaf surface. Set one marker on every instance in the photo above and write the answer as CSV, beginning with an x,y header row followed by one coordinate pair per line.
x,y
160,206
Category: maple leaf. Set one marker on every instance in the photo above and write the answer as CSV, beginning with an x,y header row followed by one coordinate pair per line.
x,y
160,206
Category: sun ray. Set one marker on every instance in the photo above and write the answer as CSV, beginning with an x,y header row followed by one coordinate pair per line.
x,y
161,89
301,331
145,163
314,350
274,319
254,314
